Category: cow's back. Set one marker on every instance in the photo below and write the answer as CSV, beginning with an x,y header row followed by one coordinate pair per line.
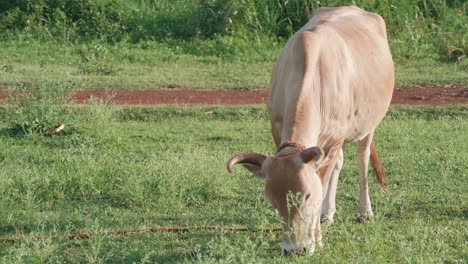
x,y
334,78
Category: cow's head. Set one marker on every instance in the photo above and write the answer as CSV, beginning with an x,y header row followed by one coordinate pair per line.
x,y
294,188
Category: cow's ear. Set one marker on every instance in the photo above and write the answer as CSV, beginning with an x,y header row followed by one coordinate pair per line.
x,y
322,156
251,161
313,156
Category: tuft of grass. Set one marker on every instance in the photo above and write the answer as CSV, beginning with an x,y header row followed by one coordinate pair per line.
x,y
34,109
96,60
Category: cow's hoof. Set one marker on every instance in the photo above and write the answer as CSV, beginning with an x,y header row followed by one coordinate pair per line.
x,y
311,250
325,219
320,244
365,217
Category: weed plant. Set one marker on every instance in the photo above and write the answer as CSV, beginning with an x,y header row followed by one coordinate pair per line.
x,y
35,109
96,60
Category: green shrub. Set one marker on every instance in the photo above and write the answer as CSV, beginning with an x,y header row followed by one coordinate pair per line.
x,y
157,20
452,35
103,19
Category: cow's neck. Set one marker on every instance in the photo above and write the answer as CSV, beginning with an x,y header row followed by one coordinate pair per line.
x,y
302,119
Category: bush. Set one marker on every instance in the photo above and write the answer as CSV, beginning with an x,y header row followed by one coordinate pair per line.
x,y
103,19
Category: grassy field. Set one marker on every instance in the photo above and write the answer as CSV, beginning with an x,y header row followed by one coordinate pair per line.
x,y
162,66
125,168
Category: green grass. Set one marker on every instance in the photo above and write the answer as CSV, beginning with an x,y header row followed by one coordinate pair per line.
x,y
125,168
195,75
430,73
153,66
144,66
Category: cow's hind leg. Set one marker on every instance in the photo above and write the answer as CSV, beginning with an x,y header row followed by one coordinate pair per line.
x,y
329,205
363,154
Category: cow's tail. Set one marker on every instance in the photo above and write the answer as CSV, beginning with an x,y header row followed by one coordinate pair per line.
x,y
377,166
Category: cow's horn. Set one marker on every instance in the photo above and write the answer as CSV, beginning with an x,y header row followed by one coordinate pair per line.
x,y
248,157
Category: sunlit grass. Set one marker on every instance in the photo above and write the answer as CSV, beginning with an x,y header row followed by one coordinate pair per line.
x,y
125,168
155,68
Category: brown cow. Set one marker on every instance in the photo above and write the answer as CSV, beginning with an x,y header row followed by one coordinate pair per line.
x,y
331,85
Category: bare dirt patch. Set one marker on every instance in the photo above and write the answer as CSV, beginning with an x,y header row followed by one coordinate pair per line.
x,y
176,96
430,95
418,95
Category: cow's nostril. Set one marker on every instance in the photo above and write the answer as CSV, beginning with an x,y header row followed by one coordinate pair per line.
x,y
285,252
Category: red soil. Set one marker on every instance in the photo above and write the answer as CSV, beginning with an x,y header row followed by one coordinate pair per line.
x,y
418,95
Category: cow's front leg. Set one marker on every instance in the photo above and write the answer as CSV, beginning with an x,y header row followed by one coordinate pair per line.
x,y
316,236
363,154
329,203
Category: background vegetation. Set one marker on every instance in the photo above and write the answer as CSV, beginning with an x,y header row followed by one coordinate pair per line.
x,y
206,43
416,27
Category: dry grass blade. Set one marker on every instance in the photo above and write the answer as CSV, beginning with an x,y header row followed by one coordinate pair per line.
x,y
56,130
